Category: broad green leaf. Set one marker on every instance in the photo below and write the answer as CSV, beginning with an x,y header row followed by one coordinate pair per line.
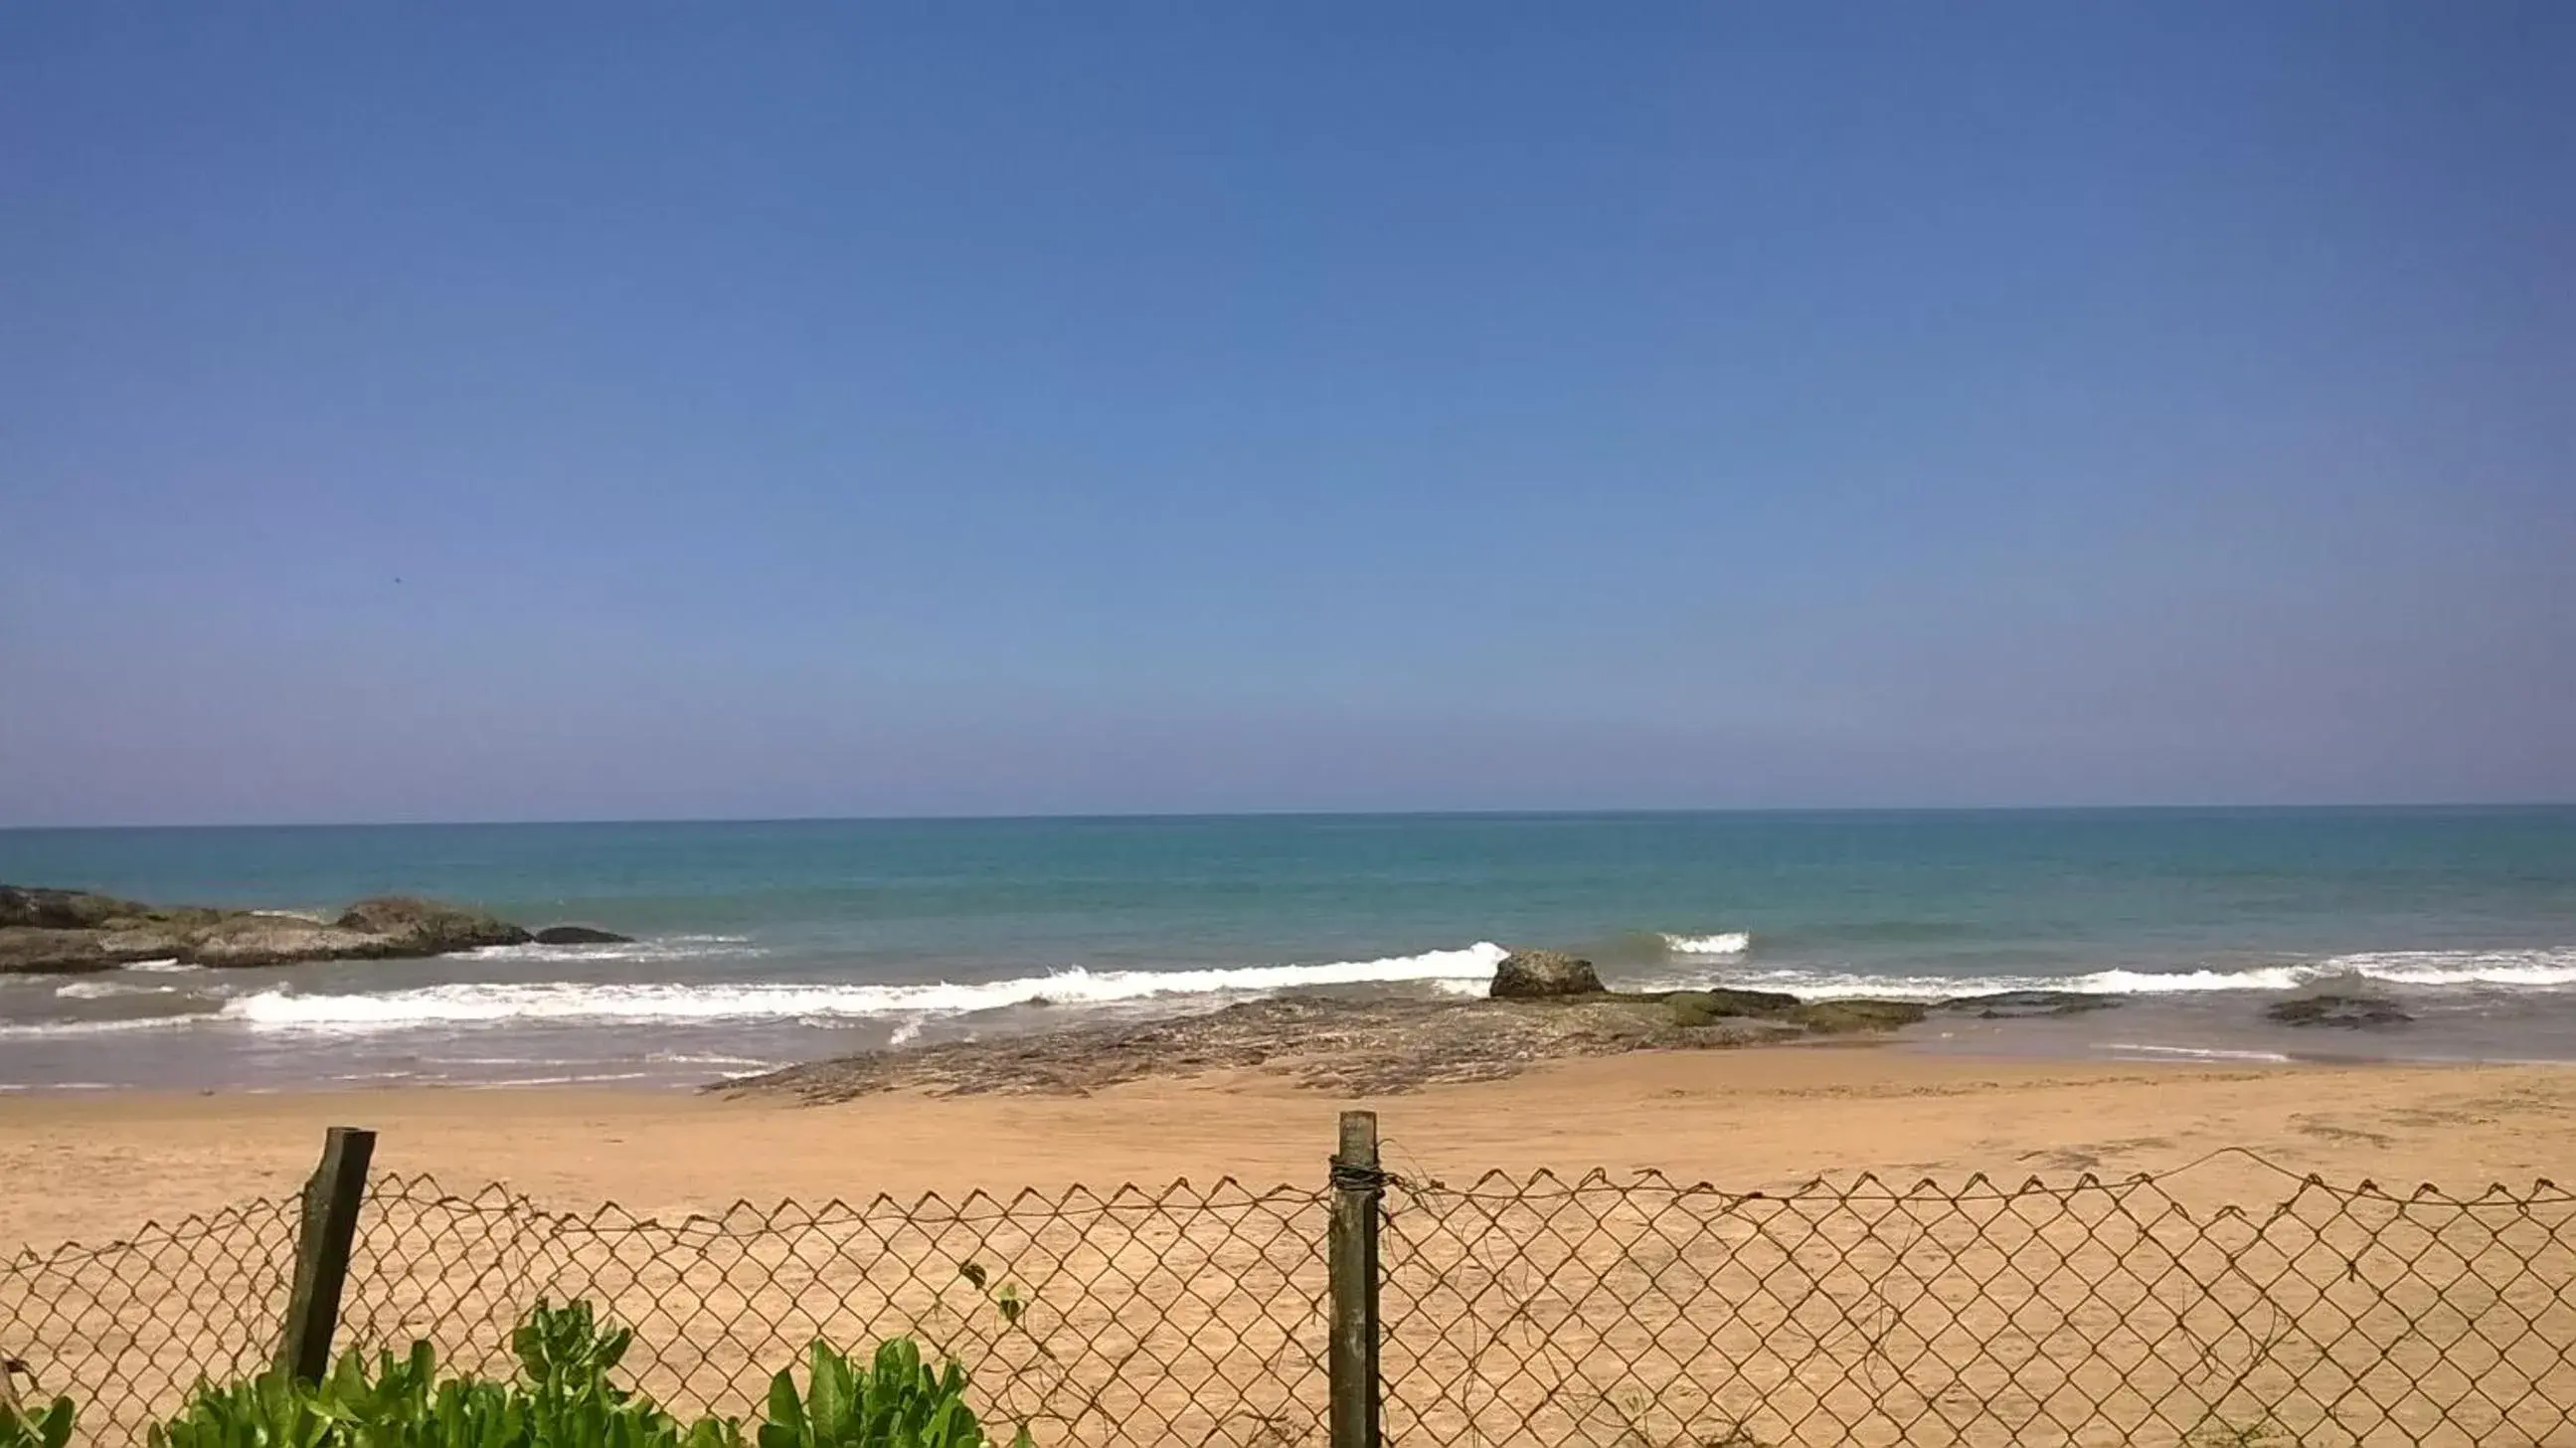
x,y
54,1427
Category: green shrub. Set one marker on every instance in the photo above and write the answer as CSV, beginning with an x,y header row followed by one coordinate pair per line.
x,y
897,1402
561,1397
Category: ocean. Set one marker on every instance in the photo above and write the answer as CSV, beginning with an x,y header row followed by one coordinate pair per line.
x,y
760,944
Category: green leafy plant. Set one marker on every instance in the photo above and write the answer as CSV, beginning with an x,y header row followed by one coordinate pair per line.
x,y
49,1427
561,1349
562,1398
1010,1299
272,1410
897,1401
564,1362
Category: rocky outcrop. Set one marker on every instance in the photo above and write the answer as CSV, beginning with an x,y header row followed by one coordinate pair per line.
x,y
61,909
242,940
1531,975
2355,1013
66,931
1699,1007
437,929
2014,1005
1696,1009
581,935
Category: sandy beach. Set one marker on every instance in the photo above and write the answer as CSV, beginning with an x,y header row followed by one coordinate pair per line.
x,y
80,1166
1512,1316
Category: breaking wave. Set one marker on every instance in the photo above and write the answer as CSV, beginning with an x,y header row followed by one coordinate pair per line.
x,y
1732,942
663,950
1468,969
101,990
2524,969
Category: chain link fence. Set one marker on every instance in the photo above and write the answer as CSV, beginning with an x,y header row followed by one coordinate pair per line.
x,y
1183,1315
127,1327
1636,1312
1644,1312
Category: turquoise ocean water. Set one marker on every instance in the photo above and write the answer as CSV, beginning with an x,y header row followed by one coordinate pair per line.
x,y
768,942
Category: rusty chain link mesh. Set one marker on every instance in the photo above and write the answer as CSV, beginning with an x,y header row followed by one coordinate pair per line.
x,y
1537,1310
1185,1315
125,1328
1645,1313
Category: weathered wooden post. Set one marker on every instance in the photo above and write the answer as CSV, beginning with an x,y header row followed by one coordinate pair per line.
x,y
322,1242
1358,1188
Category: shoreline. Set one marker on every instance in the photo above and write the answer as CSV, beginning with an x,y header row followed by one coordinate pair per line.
x,y
1376,1039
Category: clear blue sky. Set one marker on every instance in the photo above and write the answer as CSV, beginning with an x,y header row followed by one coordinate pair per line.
x,y
776,409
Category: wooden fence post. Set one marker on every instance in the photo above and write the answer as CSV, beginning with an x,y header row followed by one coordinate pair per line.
x,y
322,1242
1358,1187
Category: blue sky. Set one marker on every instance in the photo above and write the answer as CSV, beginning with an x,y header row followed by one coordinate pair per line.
x,y
791,410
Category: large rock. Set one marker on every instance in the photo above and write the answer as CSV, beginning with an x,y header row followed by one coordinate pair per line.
x,y
427,927
1530,975
581,935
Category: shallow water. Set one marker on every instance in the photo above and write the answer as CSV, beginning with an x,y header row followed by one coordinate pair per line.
x,y
767,942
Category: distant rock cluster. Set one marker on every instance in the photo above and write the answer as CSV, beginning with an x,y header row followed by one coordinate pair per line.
x,y
1542,975
70,931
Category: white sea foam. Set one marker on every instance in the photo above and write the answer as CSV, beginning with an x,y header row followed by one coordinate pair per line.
x,y
2187,982
2199,1053
484,1004
689,1058
2528,969
2460,967
1732,942
163,967
42,1029
100,990
575,1079
666,949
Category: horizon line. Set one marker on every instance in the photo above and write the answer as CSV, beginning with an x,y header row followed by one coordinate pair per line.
x,y
1144,816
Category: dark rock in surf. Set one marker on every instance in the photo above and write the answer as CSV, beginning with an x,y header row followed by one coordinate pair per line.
x,y
1533,975
2356,1013
1847,1017
581,935
428,927
1700,1007
2014,1005
1696,1009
